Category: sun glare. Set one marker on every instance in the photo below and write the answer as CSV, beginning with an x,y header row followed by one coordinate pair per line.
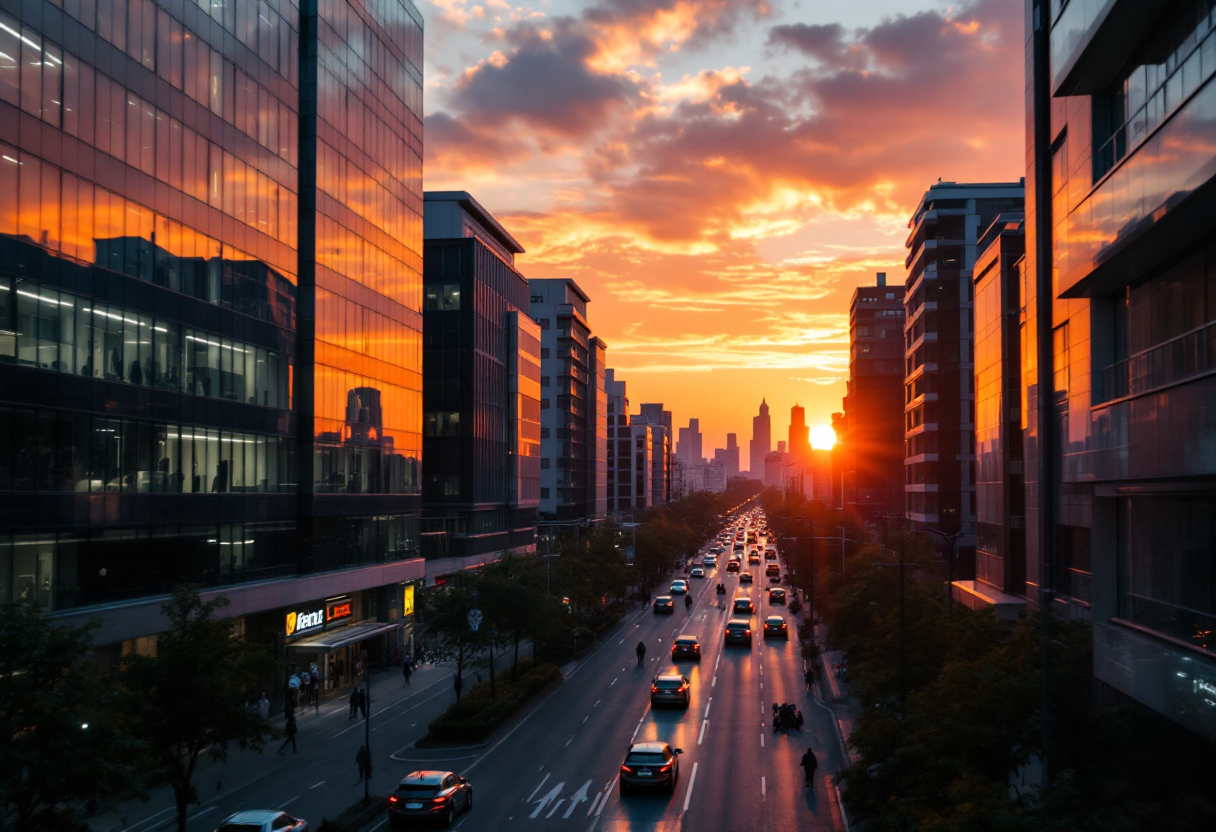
x,y
822,438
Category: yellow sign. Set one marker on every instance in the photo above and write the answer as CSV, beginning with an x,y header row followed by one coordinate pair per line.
x,y
407,605
291,624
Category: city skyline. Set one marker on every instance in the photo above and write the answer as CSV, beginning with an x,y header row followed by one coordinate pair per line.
x,y
730,281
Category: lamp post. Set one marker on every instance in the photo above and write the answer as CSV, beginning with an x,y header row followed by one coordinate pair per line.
x,y
951,539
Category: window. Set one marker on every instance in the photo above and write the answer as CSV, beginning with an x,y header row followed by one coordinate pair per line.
x,y
544,381
538,298
442,298
544,493
1059,352
544,352
544,404
442,423
544,462
544,324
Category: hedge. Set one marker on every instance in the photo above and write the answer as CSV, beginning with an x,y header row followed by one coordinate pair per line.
x,y
478,716
356,816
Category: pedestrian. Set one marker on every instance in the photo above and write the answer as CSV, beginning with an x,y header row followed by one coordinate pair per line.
x,y
364,759
810,677
354,704
264,706
809,764
363,702
290,731
341,670
316,688
406,671
641,651
457,684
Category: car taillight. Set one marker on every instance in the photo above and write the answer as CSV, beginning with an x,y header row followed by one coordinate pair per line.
x,y
665,768
627,769
393,799
680,689
747,632
439,801
654,688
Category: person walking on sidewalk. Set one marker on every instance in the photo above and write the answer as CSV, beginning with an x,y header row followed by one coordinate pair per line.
x,y
809,764
354,704
641,651
263,706
406,671
290,730
364,759
363,702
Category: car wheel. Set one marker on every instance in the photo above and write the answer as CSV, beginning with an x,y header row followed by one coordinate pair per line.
x,y
451,816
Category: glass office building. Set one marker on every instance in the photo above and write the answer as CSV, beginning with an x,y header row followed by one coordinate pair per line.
x,y
210,300
1120,339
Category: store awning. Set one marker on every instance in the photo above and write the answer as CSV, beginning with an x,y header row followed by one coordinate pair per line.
x,y
343,637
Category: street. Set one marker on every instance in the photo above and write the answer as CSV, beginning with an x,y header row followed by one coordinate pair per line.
x,y
556,768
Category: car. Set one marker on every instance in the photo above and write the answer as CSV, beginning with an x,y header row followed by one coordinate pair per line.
x,y
262,820
732,566
745,577
711,561
775,626
772,569
664,603
738,631
697,572
429,795
686,647
770,554
671,689
776,596
716,550
651,765
743,605
679,587
753,557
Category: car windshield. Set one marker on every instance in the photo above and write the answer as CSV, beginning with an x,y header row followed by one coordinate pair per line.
x,y
646,758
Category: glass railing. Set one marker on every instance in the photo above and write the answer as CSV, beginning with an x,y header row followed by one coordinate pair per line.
x,y
1181,358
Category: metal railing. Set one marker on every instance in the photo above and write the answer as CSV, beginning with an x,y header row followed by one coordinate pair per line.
x,y
1175,360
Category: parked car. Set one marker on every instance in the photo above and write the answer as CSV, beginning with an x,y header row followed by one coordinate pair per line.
x,y
429,796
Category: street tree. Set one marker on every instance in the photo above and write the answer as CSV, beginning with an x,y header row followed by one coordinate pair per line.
x,y
456,642
65,741
191,697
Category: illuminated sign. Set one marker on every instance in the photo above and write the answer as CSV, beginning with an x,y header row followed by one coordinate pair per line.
x,y
407,602
338,609
304,621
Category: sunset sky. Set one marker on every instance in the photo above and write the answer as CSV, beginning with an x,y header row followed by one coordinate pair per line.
x,y
718,175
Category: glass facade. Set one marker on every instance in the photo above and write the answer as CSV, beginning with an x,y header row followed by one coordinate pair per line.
x,y
210,282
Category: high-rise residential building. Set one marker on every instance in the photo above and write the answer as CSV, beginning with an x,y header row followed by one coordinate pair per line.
x,y
799,446
1000,501
870,450
1120,341
211,315
630,459
939,404
573,404
761,442
690,445
662,452
481,385
714,477
732,455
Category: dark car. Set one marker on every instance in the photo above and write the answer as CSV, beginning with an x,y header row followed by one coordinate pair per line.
x,y
772,569
651,765
671,689
686,647
770,555
738,631
732,566
745,577
429,796
775,626
776,596
664,603
743,606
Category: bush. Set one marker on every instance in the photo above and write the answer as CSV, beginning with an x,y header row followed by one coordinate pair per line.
x,y
356,816
478,715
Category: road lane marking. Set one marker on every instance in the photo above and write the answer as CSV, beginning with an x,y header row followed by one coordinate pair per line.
x,y
394,716
691,782
597,703
586,718
704,722
285,802
613,682
578,797
322,783
604,802
534,791
567,745
546,798
763,789
149,818
596,802
385,820
714,683
559,802
707,706
209,808
762,739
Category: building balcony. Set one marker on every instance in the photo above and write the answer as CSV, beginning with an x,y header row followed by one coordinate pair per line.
x,y
919,458
978,595
927,427
1164,365
927,306
920,400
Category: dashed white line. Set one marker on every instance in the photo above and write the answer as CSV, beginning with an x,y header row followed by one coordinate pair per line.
x,y
691,782
714,683
595,802
597,703
613,682
322,783
701,736
607,791
285,802
586,718
534,791
762,739
209,808
567,745
707,706
763,789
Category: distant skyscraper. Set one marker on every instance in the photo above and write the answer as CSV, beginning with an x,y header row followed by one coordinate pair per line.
x,y
800,434
762,441
729,456
689,447
662,438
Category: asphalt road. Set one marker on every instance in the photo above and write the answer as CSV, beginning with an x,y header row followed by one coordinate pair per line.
x,y
558,769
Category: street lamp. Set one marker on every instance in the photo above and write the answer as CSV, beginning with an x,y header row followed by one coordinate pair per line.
x,y
951,539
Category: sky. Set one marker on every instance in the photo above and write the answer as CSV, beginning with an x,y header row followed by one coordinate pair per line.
x,y
719,175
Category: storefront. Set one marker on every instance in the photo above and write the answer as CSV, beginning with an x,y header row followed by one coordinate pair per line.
x,y
330,635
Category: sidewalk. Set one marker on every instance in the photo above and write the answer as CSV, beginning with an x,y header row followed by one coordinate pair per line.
x,y
837,698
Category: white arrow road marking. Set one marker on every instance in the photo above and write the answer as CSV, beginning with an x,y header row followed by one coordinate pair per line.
x,y
691,782
559,802
578,797
608,791
534,791
596,802
544,801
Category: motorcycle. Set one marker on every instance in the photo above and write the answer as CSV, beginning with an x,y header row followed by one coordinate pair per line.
x,y
786,717
721,590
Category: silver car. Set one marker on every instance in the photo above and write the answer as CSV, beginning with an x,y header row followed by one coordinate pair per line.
x,y
262,820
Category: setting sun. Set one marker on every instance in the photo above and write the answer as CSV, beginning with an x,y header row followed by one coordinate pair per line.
x,y
822,438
